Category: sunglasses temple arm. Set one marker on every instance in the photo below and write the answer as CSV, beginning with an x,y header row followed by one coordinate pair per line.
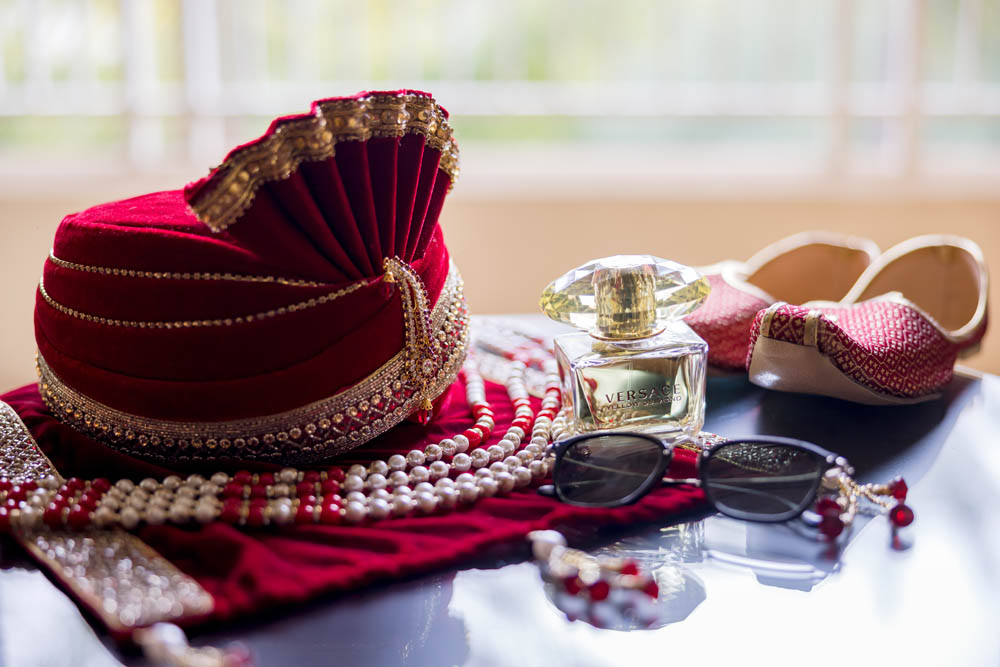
x,y
693,481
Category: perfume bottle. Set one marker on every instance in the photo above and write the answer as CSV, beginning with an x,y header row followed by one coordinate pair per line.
x,y
638,367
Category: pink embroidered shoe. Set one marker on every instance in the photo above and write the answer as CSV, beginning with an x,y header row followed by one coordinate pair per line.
x,y
796,269
892,340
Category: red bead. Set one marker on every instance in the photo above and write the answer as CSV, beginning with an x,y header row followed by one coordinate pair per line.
x,y
901,515
330,514
53,516
630,567
330,486
231,510
17,493
255,517
89,500
100,485
243,477
311,476
304,514
651,588
6,484
31,485
480,405
424,416
304,488
73,484
573,585
831,526
898,489
258,491
232,490
11,503
265,479
79,517
4,520
474,435
336,474
525,424
827,505
600,590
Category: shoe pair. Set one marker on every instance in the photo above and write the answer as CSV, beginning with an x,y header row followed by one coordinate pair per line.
x,y
826,314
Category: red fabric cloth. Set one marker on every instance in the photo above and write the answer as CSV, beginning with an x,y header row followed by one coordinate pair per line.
x,y
253,571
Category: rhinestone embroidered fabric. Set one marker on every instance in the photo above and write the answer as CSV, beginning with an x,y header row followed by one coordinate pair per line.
x,y
116,574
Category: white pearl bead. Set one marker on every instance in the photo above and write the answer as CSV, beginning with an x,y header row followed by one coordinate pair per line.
x,y
402,490
415,457
424,487
539,440
496,452
129,518
359,470
378,468
538,469
402,505
505,481
511,462
209,489
465,477
179,513
438,470
125,485
525,456
355,512
432,453
204,512
185,491
173,481
449,447
381,493
516,430
483,472
353,483
427,502
355,497
447,497
467,492
38,499
103,517
49,482
155,516
480,458
219,479
488,487
444,482
194,480
461,462
397,462
282,514
148,485
138,502
498,466
535,450
486,420
398,478
419,474
461,443
507,446
288,475
512,437
379,509
377,481
544,542
522,477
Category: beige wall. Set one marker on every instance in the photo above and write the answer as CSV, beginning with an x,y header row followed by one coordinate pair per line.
x,y
508,249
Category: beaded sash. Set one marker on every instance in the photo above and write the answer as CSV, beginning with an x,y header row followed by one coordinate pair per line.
x,y
118,576
436,342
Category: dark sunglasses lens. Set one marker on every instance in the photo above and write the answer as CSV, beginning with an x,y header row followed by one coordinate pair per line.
x,y
763,482
606,469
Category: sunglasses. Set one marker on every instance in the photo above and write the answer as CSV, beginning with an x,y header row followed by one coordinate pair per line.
x,y
766,479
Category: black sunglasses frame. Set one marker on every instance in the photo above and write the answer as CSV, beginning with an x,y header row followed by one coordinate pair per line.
x,y
656,478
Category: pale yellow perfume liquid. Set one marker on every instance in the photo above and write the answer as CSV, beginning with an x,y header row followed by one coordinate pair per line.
x,y
653,385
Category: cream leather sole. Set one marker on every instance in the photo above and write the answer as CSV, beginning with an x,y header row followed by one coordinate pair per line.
x,y
803,369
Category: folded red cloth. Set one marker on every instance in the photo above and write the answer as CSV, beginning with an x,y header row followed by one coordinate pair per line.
x,y
253,571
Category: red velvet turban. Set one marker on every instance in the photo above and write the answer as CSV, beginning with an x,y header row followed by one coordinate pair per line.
x,y
295,303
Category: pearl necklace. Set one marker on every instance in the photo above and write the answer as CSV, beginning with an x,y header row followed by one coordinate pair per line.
x,y
436,478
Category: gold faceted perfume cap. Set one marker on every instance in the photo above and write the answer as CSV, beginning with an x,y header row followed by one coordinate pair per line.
x,y
624,297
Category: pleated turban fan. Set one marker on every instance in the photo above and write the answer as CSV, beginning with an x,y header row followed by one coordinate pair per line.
x,y
294,303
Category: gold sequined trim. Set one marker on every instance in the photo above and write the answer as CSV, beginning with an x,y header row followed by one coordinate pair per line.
x,y
182,275
276,156
117,575
188,324
313,432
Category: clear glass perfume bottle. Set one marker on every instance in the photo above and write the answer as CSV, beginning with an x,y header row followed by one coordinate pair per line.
x,y
638,366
